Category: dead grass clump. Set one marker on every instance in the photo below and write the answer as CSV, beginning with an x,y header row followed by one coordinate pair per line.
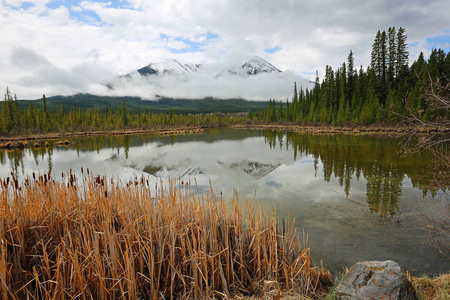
x,y
437,288
94,238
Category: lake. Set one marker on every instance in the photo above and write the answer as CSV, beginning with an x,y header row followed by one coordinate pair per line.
x,y
354,196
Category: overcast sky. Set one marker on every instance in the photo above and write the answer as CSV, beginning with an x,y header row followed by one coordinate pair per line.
x,y
66,46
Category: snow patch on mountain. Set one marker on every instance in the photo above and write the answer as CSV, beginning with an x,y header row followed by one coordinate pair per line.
x,y
257,65
252,168
170,67
256,169
254,66
173,172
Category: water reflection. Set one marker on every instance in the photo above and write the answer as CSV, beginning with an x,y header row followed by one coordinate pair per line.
x,y
346,158
356,196
377,159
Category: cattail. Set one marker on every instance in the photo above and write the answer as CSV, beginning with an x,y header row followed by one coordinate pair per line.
x,y
175,244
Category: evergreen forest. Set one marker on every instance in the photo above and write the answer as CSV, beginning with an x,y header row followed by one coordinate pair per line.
x,y
386,92
39,118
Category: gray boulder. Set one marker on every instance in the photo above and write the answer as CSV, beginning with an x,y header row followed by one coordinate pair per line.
x,y
375,280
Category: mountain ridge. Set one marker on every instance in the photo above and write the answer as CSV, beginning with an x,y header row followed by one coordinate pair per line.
x,y
169,67
255,66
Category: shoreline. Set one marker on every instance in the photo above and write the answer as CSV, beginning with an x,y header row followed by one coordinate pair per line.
x,y
23,141
329,129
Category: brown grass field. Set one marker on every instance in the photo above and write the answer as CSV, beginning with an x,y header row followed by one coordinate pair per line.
x,y
99,238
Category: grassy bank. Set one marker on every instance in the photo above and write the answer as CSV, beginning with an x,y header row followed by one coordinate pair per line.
x,y
15,141
330,129
433,288
96,238
20,141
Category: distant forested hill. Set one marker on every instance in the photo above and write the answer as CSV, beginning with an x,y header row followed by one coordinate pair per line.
x,y
163,105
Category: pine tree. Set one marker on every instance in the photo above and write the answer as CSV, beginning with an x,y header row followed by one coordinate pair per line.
x,y
343,100
171,114
47,121
446,77
124,114
402,55
392,56
350,75
383,62
295,104
280,113
295,97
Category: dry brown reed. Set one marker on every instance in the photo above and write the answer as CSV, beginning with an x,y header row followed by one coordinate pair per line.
x,y
433,288
99,238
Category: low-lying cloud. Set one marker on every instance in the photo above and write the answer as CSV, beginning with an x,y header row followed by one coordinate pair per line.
x,y
200,85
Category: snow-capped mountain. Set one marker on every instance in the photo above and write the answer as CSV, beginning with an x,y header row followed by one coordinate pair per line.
x,y
257,66
170,67
254,66
250,79
252,168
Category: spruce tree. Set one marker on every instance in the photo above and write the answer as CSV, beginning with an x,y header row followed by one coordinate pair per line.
x,y
392,56
383,63
350,74
343,100
375,55
47,121
402,55
124,114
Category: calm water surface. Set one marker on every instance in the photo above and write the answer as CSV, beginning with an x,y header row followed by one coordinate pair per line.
x,y
355,196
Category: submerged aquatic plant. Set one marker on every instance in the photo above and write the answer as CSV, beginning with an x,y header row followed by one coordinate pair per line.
x,y
95,238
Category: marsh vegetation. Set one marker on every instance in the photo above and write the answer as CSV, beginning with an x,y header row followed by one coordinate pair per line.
x,y
97,237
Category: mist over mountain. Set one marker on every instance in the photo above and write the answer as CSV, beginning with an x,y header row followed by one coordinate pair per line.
x,y
172,67
257,66
253,79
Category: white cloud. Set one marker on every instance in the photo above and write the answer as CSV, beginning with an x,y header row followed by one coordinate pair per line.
x,y
43,75
311,34
200,85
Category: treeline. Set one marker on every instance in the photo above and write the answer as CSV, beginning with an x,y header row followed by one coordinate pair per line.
x,y
386,91
17,120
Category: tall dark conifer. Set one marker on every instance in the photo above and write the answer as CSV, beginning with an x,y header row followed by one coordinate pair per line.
x,y
124,113
392,56
350,75
402,55
382,92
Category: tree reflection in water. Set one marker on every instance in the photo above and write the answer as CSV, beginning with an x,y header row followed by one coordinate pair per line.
x,y
376,158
